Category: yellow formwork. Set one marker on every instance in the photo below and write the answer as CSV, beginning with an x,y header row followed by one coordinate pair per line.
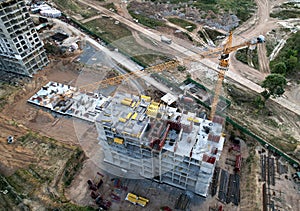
x,y
154,103
122,120
146,98
129,115
134,115
126,102
118,140
191,119
133,104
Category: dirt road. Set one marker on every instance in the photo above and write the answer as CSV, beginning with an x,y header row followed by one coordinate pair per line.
x,y
252,32
260,23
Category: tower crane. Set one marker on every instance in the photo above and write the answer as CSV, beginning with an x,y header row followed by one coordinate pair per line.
x,y
223,66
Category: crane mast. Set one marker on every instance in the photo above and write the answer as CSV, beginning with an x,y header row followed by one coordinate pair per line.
x,y
224,65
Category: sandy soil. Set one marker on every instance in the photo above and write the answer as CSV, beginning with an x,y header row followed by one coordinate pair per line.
x,y
12,156
38,119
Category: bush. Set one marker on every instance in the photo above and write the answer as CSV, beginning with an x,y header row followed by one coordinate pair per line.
x,y
289,55
181,68
279,68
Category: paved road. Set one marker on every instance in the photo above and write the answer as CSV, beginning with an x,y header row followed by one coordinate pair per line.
x,y
262,17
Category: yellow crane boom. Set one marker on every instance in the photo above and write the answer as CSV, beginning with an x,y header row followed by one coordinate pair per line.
x,y
133,74
223,67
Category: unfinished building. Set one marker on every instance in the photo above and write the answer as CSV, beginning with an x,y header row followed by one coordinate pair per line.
x,y
144,138
21,50
157,141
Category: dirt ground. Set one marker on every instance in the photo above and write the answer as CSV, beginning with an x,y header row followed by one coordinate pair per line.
x,y
10,161
36,118
75,132
33,166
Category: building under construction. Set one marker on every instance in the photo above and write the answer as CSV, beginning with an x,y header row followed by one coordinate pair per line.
x,y
142,137
160,142
21,50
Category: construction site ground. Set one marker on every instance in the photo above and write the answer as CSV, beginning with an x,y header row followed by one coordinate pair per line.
x,y
18,117
75,132
34,167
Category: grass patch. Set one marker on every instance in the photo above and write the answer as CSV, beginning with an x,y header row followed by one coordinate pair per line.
x,y
286,11
107,29
283,145
251,115
270,47
286,14
120,37
243,9
30,182
150,22
183,24
213,34
72,166
110,6
201,35
5,91
74,8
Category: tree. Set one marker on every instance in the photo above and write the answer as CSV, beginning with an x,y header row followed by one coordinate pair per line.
x,y
292,63
181,68
279,68
274,85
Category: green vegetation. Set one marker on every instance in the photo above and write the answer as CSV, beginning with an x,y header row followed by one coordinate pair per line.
x,y
270,47
243,9
242,56
150,22
280,68
74,8
181,68
52,49
286,14
5,91
107,29
72,166
41,183
286,11
287,61
201,35
183,24
274,85
73,207
120,37
110,6
213,34
253,113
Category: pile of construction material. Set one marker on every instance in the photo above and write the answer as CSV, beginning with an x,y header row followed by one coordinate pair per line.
x,y
95,186
214,184
267,164
183,202
229,190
